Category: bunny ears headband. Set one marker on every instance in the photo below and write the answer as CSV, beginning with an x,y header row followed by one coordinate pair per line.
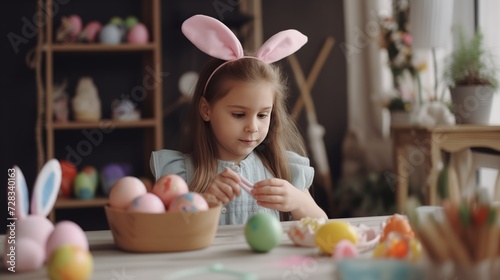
x,y
217,40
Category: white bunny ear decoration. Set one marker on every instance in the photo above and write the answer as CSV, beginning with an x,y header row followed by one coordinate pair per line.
x,y
46,188
22,197
217,40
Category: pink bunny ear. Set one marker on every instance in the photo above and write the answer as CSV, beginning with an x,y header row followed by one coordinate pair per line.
x,y
281,45
212,37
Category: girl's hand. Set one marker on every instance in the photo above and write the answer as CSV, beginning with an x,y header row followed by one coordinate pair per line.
x,y
277,194
225,186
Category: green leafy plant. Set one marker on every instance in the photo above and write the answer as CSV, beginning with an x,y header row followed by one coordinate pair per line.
x,y
471,64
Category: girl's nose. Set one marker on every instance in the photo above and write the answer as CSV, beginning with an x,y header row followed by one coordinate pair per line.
x,y
251,126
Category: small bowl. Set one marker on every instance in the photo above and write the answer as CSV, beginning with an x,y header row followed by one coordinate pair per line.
x,y
163,232
387,269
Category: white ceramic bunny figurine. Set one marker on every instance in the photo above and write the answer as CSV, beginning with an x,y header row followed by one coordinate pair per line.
x,y
33,230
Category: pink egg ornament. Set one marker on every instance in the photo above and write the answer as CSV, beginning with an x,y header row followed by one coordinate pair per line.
x,y
66,232
138,34
188,202
169,187
124,191
32,233
147,203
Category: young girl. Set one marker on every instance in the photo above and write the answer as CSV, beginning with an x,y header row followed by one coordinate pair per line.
x,y
240,128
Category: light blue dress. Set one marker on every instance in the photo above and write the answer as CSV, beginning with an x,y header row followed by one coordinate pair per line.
x,y
238,211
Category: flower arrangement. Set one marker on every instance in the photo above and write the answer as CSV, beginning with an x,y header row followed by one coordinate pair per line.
x,y
397,40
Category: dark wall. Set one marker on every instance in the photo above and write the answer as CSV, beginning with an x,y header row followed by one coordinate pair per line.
x,y
316,19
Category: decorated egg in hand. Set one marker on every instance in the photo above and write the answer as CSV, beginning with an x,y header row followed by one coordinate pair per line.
x,y
263,232
147,203
169,187
66,232
70,262
124,191
188,202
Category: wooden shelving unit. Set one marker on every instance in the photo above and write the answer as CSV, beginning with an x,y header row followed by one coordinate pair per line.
x,y
150,126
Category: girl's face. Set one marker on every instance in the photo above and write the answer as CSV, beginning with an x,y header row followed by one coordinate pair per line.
x,y
240,120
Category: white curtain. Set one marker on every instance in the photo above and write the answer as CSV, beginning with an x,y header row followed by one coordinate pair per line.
x,y
366,146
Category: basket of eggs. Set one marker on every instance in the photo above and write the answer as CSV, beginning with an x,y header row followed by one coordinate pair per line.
x,y
170,218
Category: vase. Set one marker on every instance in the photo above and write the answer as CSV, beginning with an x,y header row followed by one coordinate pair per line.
x,y
472,104
400,118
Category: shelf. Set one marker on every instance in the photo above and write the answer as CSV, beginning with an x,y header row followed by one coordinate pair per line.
x,y
100,47
105,124
80,203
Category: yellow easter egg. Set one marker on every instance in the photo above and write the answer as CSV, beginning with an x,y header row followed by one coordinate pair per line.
x,y
379,251
329,234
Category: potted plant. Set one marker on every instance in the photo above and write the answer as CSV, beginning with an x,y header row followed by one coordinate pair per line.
x,y
472,78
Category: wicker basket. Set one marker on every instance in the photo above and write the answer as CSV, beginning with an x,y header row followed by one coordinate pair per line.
x,y
165,232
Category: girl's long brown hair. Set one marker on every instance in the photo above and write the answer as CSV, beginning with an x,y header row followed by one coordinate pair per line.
x,y
283,134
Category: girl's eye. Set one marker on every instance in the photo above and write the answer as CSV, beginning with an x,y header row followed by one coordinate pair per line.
x,y
262,116
238,116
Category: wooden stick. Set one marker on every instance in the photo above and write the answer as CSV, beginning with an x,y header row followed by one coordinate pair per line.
x,y
313,75
435,244
493,243
455,244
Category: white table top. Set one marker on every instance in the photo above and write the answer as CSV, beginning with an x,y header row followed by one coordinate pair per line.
x,y
229,249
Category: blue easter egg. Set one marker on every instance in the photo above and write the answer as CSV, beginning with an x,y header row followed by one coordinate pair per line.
x,y
110,34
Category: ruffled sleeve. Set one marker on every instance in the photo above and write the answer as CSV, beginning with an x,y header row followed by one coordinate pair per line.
x,y
165,162
302,172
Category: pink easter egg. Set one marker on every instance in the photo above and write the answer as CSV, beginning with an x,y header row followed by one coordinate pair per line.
x,y
169,187
147,203
138,34
188,202
124,191
66,232
345,249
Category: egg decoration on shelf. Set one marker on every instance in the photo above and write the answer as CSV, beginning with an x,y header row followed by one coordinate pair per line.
x,y
147,203
110,35
188,202
69,172
138,34
86,103
170,186
68,30
90,32
112,172
263,232
85,184
124,191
